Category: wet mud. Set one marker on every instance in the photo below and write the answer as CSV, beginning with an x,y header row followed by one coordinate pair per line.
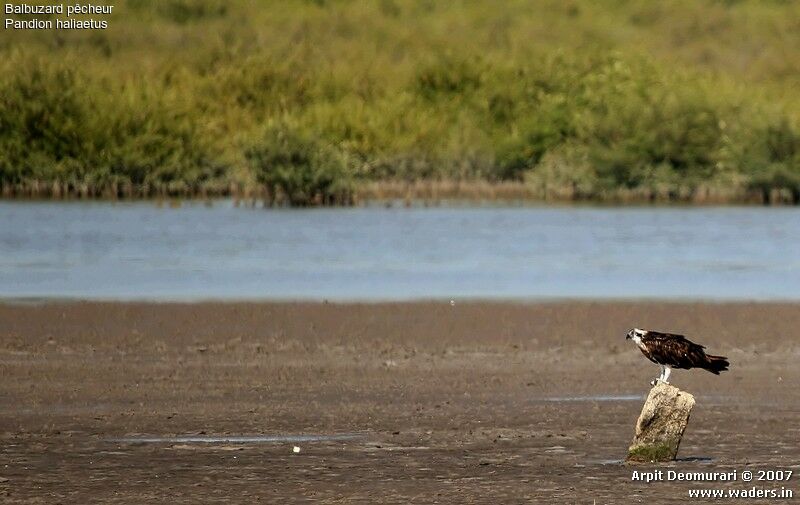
x,y
388,403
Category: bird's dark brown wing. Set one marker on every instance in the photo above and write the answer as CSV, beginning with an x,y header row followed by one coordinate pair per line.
x,y
674,350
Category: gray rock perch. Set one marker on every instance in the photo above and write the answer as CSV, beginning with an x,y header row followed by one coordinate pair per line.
x,y
661,424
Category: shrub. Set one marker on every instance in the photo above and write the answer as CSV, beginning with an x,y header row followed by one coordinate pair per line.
x,y
59,125
300,169
773,159
584,99
182,11
448,76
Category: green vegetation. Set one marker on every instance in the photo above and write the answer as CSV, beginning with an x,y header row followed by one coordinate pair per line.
x,y
652,453
328,101
300,169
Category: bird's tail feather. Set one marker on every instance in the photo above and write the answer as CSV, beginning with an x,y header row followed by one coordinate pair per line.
x,y
716,364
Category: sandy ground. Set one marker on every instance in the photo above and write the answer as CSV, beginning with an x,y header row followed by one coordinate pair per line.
x,y
472,403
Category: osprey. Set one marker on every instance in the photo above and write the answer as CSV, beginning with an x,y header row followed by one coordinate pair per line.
x,y
675,351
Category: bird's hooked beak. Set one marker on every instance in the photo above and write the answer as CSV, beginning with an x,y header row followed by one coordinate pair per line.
x,y
629,335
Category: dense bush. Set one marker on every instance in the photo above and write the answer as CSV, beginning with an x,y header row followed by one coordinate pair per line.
x,y
300,169
181,11
773,159
570,100
58,124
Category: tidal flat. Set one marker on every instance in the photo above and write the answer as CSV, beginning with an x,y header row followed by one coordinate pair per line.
x,y
391,402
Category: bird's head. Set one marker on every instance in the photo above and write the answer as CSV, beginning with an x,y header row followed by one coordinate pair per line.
x,y
635,334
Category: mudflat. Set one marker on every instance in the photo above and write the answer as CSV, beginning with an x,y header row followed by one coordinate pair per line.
x,y
426,402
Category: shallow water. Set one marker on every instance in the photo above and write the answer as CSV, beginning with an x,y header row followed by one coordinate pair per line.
x,y
141,251
595,398
252,439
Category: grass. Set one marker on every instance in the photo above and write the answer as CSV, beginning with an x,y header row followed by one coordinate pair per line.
x,y
329,101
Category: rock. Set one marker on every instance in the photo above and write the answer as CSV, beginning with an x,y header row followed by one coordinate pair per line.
x,y
661,424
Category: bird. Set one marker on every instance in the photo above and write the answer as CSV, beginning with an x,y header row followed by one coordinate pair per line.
x,y
671,350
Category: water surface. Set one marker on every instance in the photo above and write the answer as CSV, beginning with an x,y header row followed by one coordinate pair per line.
x,y
235,439
140,251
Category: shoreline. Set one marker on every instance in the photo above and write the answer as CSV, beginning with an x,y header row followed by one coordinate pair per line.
x,y
376,302
403,193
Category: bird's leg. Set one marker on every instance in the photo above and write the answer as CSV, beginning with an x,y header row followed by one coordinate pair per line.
x,y
667,371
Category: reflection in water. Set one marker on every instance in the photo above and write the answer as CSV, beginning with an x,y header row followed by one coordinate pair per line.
x,y
140,251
